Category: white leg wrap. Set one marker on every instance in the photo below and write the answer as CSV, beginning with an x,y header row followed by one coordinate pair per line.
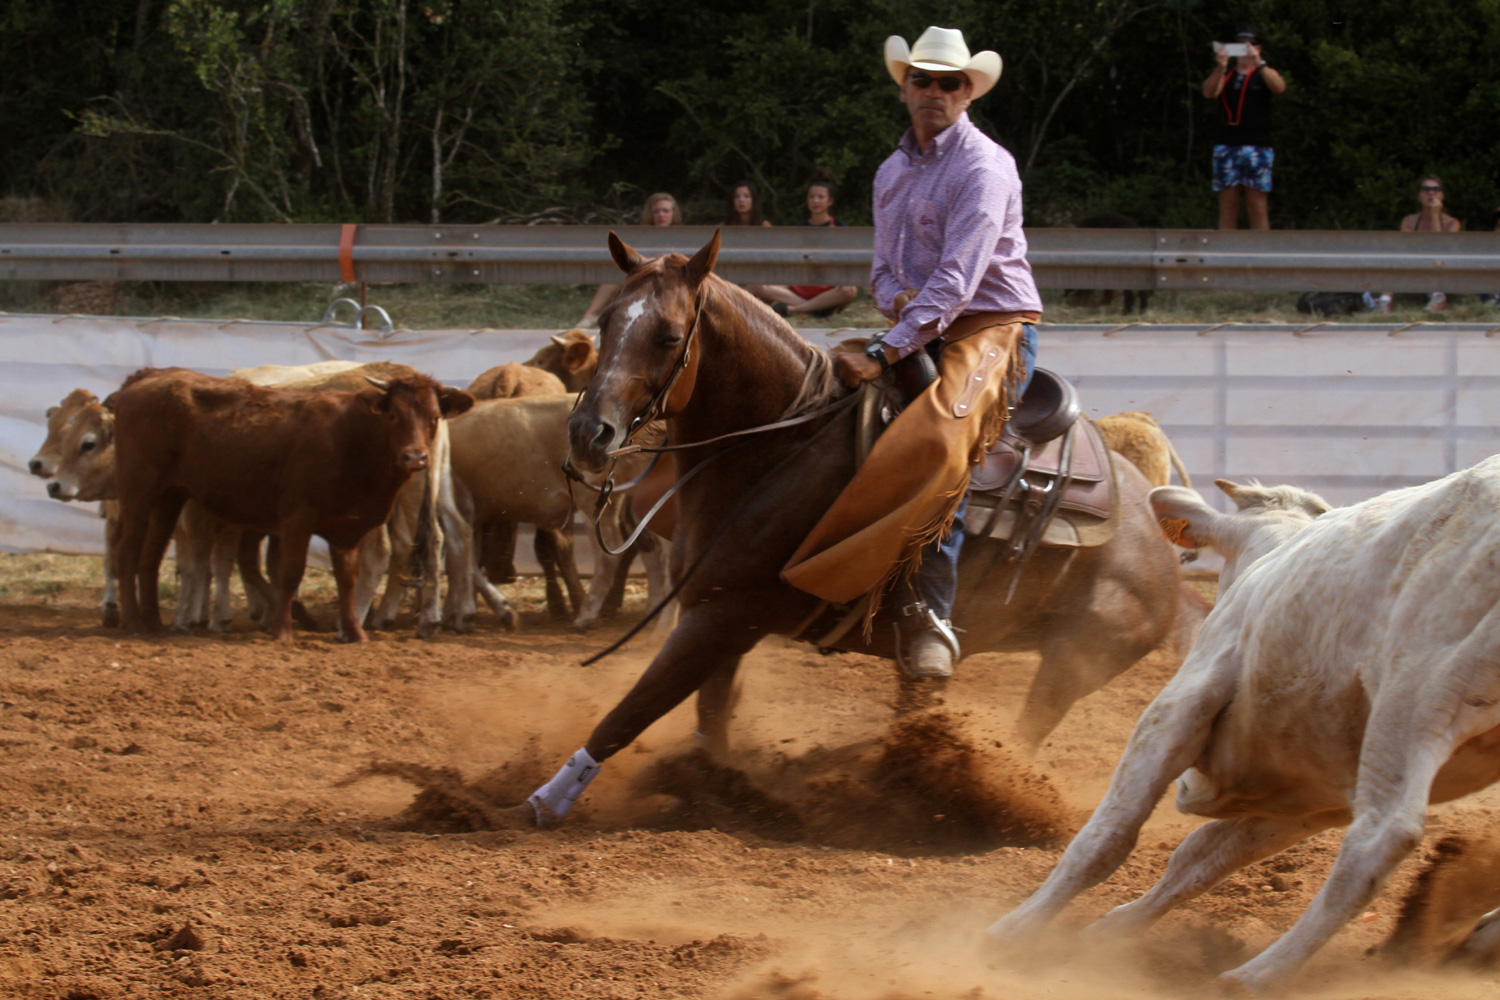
x,y
553,800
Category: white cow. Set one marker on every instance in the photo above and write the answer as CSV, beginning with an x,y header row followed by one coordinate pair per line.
x,y
1350,674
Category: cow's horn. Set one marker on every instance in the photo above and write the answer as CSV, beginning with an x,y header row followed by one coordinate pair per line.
x,y
557,339
378,383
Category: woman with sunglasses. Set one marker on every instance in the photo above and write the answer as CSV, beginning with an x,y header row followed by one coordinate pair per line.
x,y
1429,219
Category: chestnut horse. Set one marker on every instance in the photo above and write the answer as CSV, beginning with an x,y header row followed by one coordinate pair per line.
x,y
1090,612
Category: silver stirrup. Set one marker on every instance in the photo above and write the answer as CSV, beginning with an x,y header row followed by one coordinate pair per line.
x,y
926,618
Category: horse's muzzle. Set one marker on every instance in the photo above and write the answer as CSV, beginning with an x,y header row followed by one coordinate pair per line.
x,y
591,439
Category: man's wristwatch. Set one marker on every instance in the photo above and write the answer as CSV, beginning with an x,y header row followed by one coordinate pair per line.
x,y
876,349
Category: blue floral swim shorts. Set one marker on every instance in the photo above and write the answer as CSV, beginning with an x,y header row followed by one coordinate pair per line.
x,y
1243,166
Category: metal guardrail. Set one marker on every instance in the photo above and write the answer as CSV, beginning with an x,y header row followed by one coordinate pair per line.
x,y
1282,260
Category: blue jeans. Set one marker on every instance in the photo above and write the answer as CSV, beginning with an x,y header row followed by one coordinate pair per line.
x,y
937,576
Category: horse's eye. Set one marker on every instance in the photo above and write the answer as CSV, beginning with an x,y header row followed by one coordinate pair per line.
x,y
669,337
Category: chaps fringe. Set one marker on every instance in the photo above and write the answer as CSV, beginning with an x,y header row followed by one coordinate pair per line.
x,y
940,526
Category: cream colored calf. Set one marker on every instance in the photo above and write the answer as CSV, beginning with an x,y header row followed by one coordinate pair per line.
x,y
1350,674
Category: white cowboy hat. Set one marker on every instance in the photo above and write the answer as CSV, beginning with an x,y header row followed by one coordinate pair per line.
x,y
942,50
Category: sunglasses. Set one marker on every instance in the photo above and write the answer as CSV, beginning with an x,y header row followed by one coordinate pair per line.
x,y
1429,187
948,84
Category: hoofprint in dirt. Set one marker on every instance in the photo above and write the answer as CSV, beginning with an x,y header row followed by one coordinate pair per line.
x,y
177,819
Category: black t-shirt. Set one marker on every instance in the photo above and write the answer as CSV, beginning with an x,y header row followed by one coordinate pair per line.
x,y
1245,110
830,223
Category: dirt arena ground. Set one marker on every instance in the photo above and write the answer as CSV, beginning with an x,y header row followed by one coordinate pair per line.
x,y
216,817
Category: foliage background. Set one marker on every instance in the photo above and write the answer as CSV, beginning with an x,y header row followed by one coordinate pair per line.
x,y
573,110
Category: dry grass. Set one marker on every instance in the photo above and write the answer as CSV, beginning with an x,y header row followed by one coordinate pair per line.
x,y
548,307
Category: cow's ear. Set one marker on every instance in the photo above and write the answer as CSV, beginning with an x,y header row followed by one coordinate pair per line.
x,y
51,410
1184,518
374,400
626,259
577,354
452,402
703,261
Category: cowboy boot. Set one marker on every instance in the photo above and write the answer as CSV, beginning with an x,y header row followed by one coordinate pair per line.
x,y
932,650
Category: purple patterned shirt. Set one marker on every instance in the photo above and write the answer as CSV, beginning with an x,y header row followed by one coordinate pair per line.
x,y
949,225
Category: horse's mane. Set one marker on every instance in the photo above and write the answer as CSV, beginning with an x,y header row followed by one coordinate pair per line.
x,y
819,386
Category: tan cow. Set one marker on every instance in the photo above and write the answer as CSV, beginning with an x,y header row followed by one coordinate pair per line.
x,y
510,380
1347,677
507,463
572,357
1138,437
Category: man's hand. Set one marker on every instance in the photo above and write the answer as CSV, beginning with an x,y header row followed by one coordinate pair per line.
x,y
855,369
902,300
1222,55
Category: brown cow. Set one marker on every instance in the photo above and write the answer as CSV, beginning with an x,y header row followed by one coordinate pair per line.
x,y
325,463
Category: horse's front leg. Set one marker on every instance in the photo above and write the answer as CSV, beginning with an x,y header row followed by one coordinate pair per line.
x,y
709,640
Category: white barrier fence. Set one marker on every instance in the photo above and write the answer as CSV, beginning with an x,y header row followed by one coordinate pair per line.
x,y
1348,411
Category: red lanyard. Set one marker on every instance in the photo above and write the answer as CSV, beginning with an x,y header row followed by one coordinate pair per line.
x,y
1239,112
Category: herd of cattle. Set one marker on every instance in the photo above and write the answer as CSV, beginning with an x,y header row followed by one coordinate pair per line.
x,y
403,478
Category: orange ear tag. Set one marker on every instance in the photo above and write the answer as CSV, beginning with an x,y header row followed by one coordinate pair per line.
x,y
1174,528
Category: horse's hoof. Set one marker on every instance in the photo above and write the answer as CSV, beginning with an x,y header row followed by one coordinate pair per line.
x,y
349,639
518,817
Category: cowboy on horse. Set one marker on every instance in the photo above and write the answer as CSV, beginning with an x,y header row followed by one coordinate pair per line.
x,y
951,274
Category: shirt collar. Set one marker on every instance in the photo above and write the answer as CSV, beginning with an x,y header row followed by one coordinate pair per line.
x,y
944,141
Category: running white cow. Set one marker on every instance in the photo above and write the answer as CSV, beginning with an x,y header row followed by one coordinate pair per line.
x,y
1350,674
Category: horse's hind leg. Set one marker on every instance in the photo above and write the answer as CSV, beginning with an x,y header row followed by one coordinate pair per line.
x,y
717,699
1076,664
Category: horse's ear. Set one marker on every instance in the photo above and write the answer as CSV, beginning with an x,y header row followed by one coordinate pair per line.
x,y
703,261
624,254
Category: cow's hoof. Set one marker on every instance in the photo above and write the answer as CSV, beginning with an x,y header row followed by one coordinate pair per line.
x,y
351,638
220,625
509,620
426,630
581,626
180,629
111,616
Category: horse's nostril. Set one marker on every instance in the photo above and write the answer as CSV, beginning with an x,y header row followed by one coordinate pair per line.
x,y
603,436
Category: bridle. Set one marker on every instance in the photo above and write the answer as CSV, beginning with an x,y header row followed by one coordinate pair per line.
x,y
659,407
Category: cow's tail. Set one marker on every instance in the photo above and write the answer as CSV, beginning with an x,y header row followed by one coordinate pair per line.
x,y
1182,474
423,537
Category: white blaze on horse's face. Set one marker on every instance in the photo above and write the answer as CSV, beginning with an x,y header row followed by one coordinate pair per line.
x,y
637,308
